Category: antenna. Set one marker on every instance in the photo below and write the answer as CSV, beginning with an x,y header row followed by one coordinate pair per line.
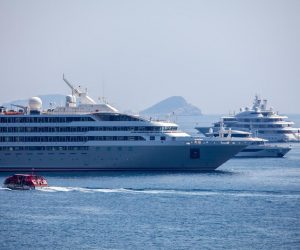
x,y
103,83
221,130
103,90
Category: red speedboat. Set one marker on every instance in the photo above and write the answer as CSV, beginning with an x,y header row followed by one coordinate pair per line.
x,y
25,181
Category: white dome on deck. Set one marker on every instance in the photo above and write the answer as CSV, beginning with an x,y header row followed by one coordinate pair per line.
x,y
35,103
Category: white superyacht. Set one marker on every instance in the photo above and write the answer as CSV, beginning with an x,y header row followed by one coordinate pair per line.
x,y
90,136
261,121
257,147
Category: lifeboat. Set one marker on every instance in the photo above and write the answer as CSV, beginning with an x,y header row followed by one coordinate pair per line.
x,y
25,182
13,113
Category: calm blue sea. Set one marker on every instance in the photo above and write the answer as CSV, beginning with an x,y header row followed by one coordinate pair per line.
x,y
245,204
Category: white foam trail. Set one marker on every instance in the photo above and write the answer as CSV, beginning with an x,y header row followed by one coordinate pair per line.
x,y
166,191
64,189
108,190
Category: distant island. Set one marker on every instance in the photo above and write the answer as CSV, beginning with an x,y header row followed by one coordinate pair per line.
x,y
174,105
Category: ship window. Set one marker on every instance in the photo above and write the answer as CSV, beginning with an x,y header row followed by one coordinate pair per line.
x,y
162,138
194,153
116,117
152,138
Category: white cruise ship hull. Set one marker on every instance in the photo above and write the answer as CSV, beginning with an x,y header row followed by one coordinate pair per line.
x,y
122,158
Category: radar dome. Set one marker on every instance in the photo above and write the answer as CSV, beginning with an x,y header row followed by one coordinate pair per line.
x,y
35,103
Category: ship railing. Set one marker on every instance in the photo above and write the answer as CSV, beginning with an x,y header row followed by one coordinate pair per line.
x,y
200,141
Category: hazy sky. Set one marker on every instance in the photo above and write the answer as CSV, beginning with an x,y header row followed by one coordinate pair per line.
x,y
216,54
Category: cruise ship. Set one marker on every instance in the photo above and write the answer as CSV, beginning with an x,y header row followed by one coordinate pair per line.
x,y
261,121
86,136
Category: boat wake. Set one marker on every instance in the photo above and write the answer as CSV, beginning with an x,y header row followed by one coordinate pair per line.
x,y
78,189
183,192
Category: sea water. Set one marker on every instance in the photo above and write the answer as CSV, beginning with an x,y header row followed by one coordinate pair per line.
x,y
245,204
